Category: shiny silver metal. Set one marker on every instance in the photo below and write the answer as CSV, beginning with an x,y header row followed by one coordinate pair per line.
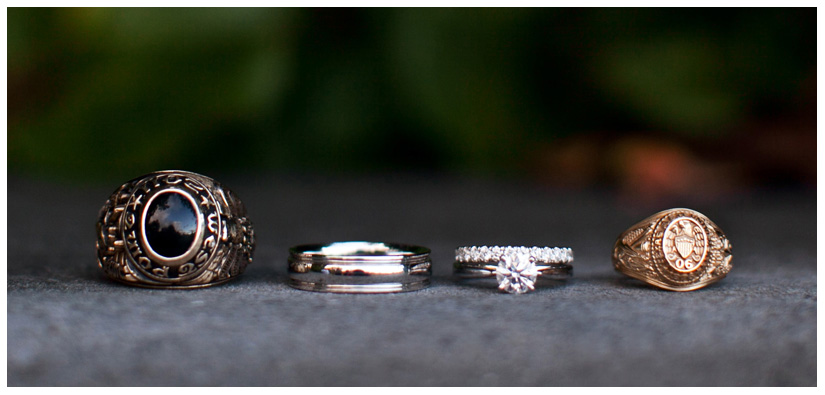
x,y
515,268
359,267
222,241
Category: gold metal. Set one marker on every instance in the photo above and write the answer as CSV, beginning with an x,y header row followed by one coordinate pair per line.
x,y
678,250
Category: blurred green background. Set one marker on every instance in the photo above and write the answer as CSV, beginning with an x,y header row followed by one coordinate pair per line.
x,y
646,100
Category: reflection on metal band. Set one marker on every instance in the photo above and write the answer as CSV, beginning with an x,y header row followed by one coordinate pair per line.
x,y
359,267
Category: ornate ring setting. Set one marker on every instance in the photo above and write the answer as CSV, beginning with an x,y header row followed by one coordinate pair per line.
x,y
359,267
678,250
174,229
515,268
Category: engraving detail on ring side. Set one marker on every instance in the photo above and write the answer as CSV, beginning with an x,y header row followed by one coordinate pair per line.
x,y
111,252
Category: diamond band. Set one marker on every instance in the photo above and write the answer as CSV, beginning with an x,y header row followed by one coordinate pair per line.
x,y
515,268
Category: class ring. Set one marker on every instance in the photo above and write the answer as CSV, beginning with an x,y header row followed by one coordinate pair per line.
x,y
174,229
678,250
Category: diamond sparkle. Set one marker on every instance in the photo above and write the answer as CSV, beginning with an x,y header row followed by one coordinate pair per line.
x,y
516,273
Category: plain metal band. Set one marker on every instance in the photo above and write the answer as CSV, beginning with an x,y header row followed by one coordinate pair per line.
x,y
359,267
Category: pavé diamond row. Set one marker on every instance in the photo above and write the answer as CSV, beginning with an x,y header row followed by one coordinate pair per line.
x,y
495,253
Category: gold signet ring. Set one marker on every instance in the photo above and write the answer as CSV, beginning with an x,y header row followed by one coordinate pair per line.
x,y
678,250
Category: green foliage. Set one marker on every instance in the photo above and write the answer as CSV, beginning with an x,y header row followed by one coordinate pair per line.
x,y
120,92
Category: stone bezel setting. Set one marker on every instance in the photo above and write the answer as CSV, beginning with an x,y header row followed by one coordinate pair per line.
x,y
190,250
193,262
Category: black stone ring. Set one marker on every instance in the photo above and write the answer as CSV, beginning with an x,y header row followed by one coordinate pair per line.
x,y
174,229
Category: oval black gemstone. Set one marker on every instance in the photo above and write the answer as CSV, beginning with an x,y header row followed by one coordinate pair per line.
x,y
171,224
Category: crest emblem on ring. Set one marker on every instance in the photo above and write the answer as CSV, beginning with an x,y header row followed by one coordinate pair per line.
x,y
685,244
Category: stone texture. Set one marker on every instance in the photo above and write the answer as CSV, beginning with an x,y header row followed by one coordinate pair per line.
x,y
67,325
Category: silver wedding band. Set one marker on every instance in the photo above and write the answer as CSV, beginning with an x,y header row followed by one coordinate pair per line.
x,y
359,267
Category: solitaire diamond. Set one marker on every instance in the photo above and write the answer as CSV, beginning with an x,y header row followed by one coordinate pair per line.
x,y
516,273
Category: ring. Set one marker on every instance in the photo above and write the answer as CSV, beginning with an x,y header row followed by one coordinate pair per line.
x,y
678,250
359,267
516,268
173,229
